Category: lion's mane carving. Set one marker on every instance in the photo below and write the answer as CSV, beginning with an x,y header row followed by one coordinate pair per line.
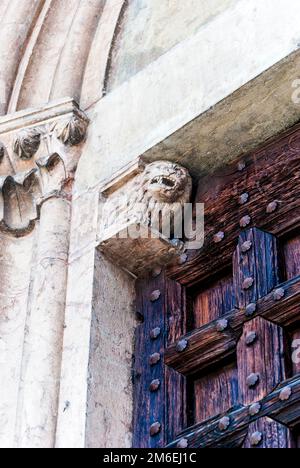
x,y
162,187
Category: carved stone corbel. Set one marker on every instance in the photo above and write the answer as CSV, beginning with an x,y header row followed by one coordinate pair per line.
x,y
141,214
38,155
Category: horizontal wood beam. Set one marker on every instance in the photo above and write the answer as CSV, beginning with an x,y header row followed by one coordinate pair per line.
x,y
281,306
208,344
250,189
283,407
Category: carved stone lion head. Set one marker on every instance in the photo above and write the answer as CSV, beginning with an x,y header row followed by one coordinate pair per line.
x,y
167,182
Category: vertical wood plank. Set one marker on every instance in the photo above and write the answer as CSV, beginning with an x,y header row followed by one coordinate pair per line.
x,y
262,358
256,273
295,352
260,351
259,263
291,250
216,393
175,383
272,434
149,407
165,317
213,301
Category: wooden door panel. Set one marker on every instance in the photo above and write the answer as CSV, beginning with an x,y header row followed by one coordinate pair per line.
x,y
291,249
215,393
213,301
159,392
260,355
270,176
228,316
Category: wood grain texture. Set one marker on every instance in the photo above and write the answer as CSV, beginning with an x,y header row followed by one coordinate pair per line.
x,y
295,351
215,393
264,357
260,264
258,210
291,250
206,347
271,174
274,435
149,407
175,384
213,301
208,434
167,405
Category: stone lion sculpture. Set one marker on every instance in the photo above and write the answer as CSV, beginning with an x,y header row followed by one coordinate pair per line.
x,y
150,198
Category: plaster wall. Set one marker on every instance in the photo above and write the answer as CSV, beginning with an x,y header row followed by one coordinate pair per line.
x,y
225,54
110,355
149,29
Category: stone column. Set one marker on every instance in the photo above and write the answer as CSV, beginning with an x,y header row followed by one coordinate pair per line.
x,y
15,268
42,351
39,152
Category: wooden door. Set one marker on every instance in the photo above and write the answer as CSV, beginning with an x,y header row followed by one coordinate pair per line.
x,y
216,356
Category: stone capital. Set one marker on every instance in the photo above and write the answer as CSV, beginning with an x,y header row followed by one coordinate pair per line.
x,y
39,152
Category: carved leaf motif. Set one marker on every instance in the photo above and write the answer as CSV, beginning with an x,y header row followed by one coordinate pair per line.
x,y
71,132
27,142
272,207
248,283
155,429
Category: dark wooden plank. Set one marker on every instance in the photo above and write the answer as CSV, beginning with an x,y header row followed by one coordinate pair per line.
x,y
283,312
164,320
271,434
213,301
206,346
271,175
260,353
258,264
295,351
291,250
149,407
284,411
175,384
215,393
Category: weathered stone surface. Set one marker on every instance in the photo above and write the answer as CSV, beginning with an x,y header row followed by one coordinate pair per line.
x,y
66,330
36,163
140,216
110,355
